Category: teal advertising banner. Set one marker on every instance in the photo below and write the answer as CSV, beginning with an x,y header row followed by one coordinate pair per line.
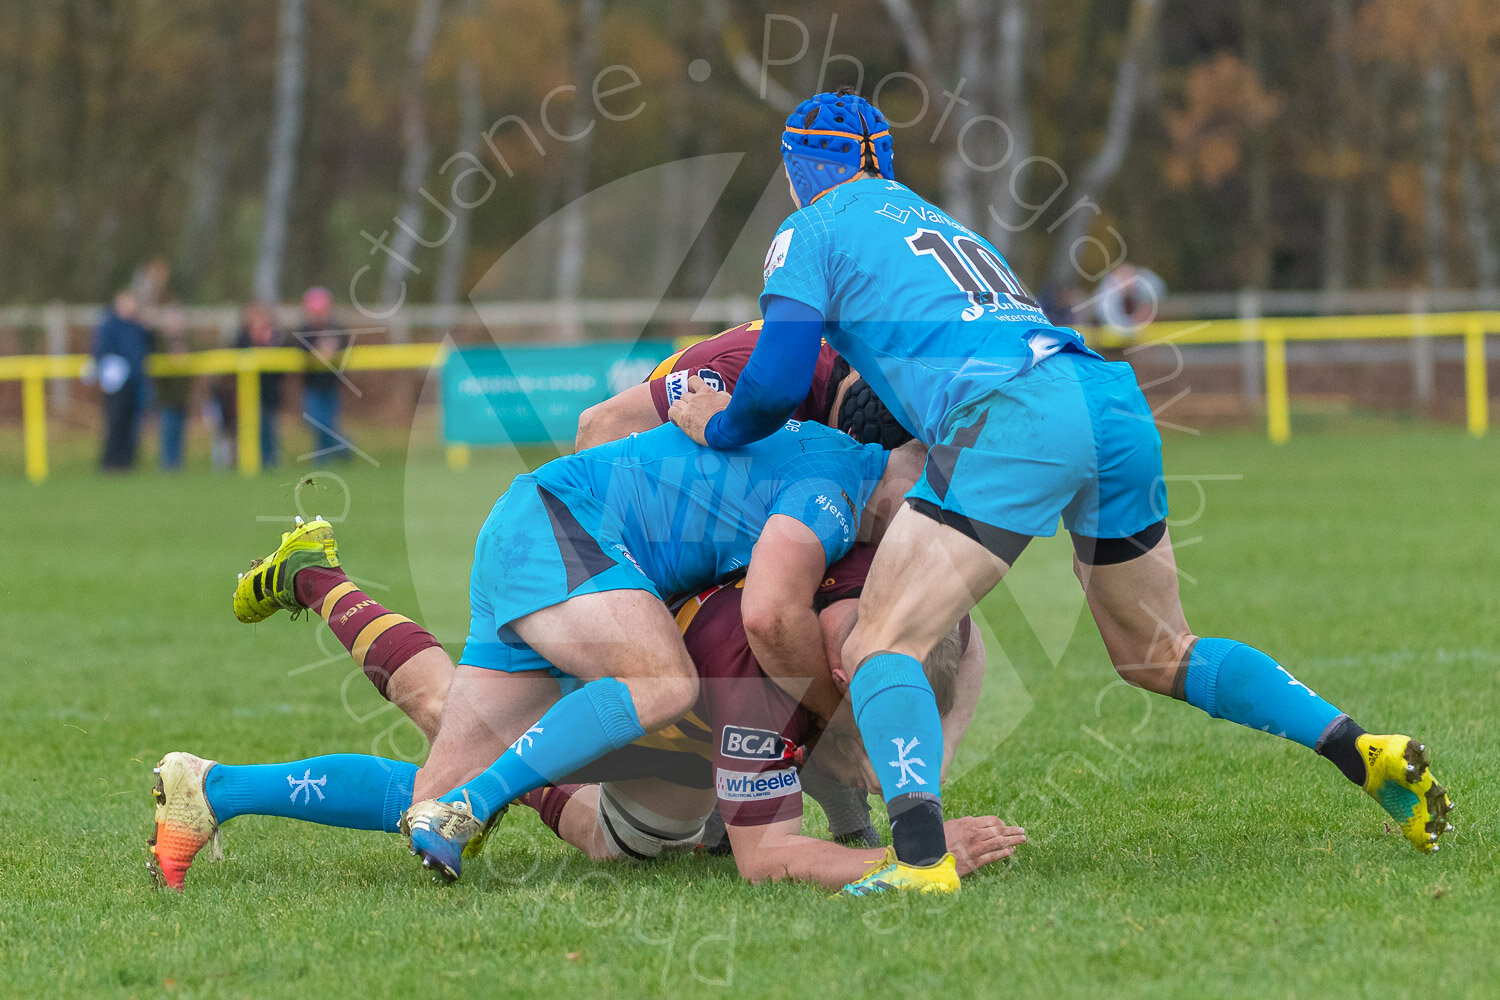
x,y
534,395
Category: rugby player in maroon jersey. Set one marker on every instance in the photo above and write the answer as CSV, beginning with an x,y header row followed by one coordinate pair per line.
x,y
743,745
838,397
747,745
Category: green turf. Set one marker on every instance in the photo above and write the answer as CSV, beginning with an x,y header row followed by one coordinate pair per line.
x,y
1170,855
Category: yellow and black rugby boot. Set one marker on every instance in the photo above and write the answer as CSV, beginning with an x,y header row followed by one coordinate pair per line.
x,y
1397,776
891,875
266,587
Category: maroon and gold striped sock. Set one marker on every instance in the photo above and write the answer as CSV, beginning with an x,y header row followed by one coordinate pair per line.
x,y
548,801
379,640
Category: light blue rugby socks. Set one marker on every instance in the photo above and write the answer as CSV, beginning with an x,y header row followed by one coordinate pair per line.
x,y
350,790
903,733
581,727
1230,680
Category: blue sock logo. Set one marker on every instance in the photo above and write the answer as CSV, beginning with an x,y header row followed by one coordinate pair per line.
x,y
307,785
906,763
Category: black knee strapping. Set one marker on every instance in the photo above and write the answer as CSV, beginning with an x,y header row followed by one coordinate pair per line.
x,y
1112,551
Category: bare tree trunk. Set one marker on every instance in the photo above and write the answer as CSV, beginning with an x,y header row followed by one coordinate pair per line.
x,y
111,154
281,150
1013,33
73,166
210,166
470,124
913,36
674,175
745,63
573,238
1477,219
1100,170
703,267
1336,203
1376,200
958,175
1257,271
1434,154
418,159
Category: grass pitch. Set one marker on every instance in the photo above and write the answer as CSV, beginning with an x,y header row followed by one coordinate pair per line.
x,y
1171,855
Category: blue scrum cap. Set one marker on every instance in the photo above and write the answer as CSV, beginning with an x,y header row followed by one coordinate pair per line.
x,y
830,138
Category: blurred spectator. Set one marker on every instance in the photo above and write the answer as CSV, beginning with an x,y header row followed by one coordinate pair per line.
x,y
1061,304
324,340
258,329
149,283
172,391
220,412
121,344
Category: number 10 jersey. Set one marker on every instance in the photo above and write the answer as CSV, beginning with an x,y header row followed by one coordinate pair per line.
x,y
923,307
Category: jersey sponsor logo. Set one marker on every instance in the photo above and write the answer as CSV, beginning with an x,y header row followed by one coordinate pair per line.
x,y
625,554
924,213
747,786
751,744
676,382
835,512
776,256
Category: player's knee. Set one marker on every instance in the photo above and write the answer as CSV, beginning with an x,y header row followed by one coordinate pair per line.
x,y
862,644
1158,664
681,693
629,830
661,699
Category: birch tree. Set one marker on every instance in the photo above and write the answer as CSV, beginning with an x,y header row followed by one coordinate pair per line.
x,y
281,149
470,125
1101,169
417,157
209,170
573,237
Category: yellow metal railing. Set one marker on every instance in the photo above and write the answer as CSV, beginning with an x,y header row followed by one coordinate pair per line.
x,y
1273,334
33,371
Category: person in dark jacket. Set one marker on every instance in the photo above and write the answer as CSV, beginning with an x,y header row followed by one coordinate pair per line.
x,y
172,391
324,340
120,347
259,329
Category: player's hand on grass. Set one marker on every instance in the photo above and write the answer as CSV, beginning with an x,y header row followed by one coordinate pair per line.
x,y
975,841
692,411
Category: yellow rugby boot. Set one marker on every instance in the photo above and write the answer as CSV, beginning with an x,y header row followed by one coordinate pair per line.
x,y
1396,776
891,875
184,820
267,587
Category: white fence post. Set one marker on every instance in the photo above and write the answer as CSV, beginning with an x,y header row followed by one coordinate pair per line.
x,y
55,322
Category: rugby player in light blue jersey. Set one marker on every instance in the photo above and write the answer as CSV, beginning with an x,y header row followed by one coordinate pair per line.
x,y
1024,425
571,570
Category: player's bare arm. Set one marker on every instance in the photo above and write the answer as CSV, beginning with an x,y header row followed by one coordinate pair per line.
x,y
786,569
626,413
779,851
969,683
